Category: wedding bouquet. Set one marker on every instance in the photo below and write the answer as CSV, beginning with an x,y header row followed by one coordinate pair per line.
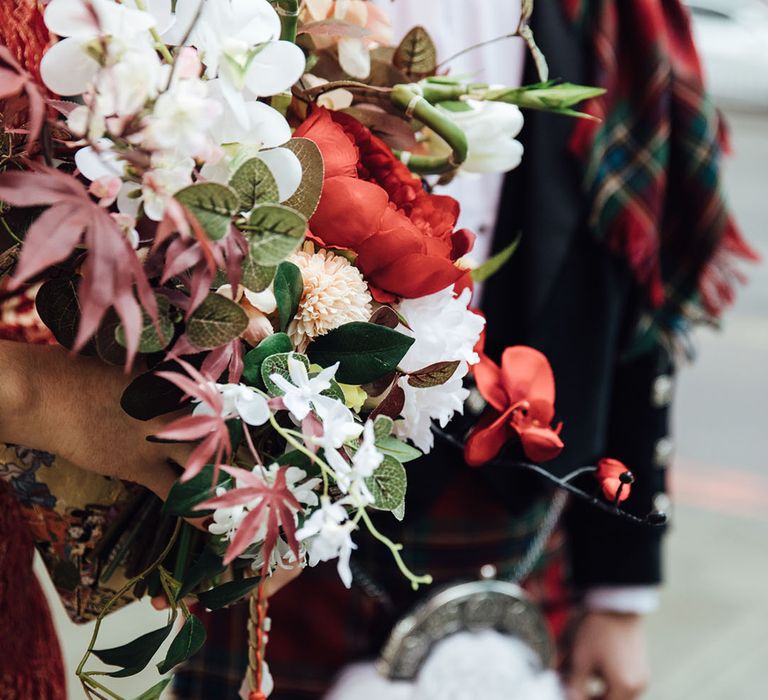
x,y
229,195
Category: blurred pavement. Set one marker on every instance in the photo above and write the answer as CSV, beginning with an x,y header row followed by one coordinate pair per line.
x,y
709,641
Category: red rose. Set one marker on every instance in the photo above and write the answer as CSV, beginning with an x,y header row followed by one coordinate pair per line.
x,y
521,394
373,205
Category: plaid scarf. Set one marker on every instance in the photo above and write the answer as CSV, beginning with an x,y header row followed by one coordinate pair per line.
x,y
652,162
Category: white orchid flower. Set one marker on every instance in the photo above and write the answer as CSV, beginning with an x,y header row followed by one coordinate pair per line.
x,y
239,400
301,392
490,128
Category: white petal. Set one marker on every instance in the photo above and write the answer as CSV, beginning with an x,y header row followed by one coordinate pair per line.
x,y
70,18
354,57
267,127
66,69
275,68
264,301
285,167
506,156
186,11
126,204
93,164
253,409
255,21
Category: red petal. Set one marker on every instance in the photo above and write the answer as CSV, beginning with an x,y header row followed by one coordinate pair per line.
x,y
340,155
608,468
417,275
527,376
540,444
488,378
487,438
349,212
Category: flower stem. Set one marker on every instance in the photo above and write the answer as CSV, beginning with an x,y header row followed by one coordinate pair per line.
x,y
409,99
86,677
159,45
415,580
289,18
325,469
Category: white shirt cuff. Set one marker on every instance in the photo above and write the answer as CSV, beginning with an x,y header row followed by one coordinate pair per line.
x,y
640,600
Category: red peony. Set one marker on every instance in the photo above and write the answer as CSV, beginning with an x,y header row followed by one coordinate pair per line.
x,y
373,205
521,394
615,479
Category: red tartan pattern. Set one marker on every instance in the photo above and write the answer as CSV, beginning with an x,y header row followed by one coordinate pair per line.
x,y
652,161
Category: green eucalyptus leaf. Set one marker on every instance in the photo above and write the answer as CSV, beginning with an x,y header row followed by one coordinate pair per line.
x,y
256,277
227,593
185,495
149,396
254,184
208,565
364,351
401,451
278,343
107,347
382,427
156,691
416,55
491,266
307,196
213,206
134,656
388,484
150,340
399,512
274,231
289,287
185,644
278,364
215,322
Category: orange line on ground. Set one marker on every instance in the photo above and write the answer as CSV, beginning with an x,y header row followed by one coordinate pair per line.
x,y
728,490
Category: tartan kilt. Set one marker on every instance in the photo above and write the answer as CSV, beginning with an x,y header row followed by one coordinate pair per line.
x,y
318,626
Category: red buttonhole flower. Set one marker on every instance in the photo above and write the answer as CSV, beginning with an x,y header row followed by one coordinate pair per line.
x,y
521,394
615,479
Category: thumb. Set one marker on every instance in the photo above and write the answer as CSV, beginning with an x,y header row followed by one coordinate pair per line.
x,y
578,677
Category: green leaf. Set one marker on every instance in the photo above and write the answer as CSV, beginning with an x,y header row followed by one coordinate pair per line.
x,y
186,644
185,495
256,277
276,344
213,206
399,512
278,364
206,566
401,451
289,287
388,484
156,691
491,266
149,396
382,427
150,340
215,322
59,308
364,351
275,231
107,347
134,656
434,375
227,593
456,106
307,196
254,184
416,55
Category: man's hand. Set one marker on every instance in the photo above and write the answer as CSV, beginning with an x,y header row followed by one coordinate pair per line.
x,y
612,648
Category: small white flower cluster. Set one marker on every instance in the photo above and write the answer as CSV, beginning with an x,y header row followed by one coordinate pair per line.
x,y
350,457
195,107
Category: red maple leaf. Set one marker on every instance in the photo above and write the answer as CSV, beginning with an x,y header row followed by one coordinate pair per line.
x,y
13,81
215,444
111,270
276,508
